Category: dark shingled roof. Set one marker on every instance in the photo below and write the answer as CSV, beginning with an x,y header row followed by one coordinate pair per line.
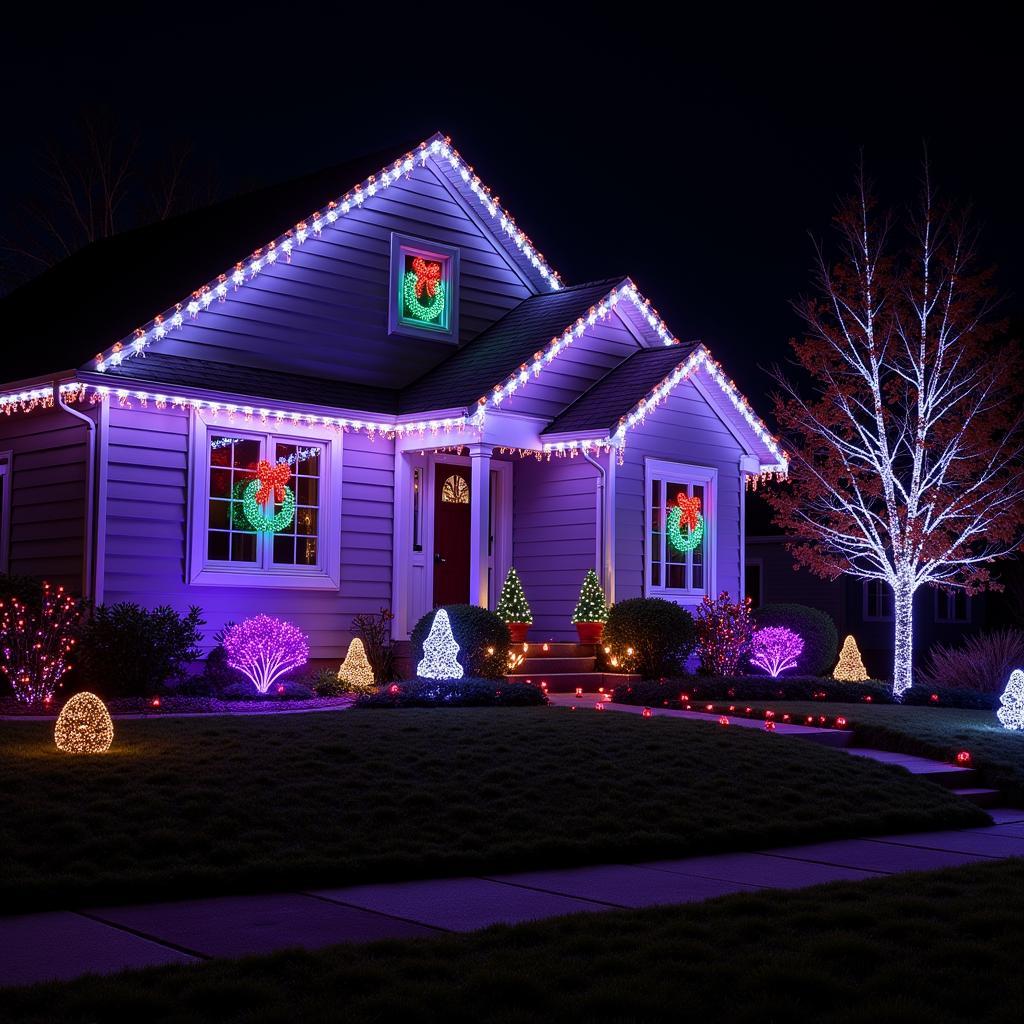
x,y
499,351
100,294
170,371
603,405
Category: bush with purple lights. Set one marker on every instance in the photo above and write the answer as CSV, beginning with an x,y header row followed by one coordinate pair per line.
x,y
775,649
265,648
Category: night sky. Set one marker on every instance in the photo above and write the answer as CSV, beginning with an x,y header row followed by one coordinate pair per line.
x,y
618,150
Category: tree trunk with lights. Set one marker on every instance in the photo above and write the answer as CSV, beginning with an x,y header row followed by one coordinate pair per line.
x,y
905,434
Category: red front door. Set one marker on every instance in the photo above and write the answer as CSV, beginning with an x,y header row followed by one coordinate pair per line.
x,y
451,535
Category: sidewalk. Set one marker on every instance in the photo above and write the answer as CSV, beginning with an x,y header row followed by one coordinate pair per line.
x,y
66,944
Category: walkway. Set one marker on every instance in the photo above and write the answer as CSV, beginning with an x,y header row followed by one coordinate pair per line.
x,y
66,944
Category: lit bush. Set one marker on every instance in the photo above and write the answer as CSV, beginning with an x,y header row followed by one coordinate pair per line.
x,y
84,726
775,649
265,648
982,662
660,633
127,650
482,637
814,627
38,630
723,634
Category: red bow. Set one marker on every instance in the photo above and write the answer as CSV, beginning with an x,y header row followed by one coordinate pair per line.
x,y
691,510
272,478
428,275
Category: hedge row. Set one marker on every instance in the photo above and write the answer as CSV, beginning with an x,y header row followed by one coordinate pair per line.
x,y
453,693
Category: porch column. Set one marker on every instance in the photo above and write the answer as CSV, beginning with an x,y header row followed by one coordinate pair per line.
x,y
479,522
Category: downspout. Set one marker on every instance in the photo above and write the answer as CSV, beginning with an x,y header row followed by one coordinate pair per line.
x,y
601,521
90,477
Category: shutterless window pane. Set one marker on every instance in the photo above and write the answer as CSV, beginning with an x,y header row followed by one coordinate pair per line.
x,y
218,546
306,551
243,547
284,549
220,515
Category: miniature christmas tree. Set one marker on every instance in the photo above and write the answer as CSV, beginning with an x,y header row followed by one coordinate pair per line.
x,y
512,604
591,606
1011,714
356,674
850,668
440,651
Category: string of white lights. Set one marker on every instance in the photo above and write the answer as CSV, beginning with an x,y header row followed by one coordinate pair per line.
x,y
244,272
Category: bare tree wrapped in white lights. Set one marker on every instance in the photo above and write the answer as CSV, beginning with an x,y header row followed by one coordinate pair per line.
x,y
906,451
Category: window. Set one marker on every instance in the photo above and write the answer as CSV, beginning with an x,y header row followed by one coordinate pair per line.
x,y
455,490
680,505
424,289
952,606
262,503
6,459
877,600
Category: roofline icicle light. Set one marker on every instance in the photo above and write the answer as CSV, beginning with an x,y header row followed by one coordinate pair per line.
x,y
245,271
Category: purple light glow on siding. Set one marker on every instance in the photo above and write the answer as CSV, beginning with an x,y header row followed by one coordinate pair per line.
x,y
775,649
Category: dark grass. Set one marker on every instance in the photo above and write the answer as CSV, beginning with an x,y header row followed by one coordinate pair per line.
x,y
184,807
916,949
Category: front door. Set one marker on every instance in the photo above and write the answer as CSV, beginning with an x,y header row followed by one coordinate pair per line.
x,y
451,534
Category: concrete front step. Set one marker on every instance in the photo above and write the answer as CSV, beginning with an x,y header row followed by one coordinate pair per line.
x,y
559,666
566,682
980,795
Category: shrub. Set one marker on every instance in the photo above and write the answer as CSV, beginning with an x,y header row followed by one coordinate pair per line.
x,y
37,638
375,632
764,689
723,633
482,638
127,650
814,627
217,673
453,693
983,662
265,648
660,632
284,689
325,683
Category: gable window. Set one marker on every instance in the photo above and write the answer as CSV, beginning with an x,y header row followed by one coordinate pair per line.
x,y
953,606
679,511
264,504
877,601
424,288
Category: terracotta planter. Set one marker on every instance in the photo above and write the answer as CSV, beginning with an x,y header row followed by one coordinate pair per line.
x,y
590,632
517,631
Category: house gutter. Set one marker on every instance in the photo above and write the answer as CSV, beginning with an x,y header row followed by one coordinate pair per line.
x,y
602,518
90,478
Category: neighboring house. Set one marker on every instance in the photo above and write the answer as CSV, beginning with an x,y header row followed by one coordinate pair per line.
x,y
431,405
862,608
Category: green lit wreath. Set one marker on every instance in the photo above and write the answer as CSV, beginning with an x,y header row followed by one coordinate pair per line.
x,y
258,519
415,307
690,507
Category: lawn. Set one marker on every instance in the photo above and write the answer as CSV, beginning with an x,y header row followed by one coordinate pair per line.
x,y
997,753
183,807
918,949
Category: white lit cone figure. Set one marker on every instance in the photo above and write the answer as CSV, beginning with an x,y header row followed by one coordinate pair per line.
x,y
1011,711
440,651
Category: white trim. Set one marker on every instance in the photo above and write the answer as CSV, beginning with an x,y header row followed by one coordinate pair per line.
x,y
397,324
683,472
327,576
7,477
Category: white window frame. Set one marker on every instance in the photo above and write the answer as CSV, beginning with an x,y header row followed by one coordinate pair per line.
x,y
6,463
683,473
203,572
401,243
887,593
942,600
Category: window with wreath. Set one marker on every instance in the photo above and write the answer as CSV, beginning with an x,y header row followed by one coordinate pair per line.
x,y
424,288
265,505
678,506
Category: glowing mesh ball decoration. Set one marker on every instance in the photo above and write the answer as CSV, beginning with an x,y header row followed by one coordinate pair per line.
x,y
440,651
775,649
1011,711
264,648
850,668
685,513
356,673
84,726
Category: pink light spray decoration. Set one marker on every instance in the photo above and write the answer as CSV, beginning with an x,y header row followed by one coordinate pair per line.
x,y
775,649
264,648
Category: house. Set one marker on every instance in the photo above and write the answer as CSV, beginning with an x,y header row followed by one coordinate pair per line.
x,y
859,607
362,388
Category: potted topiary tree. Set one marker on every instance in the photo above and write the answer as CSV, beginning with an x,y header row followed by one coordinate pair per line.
x,y
591,612
513,608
